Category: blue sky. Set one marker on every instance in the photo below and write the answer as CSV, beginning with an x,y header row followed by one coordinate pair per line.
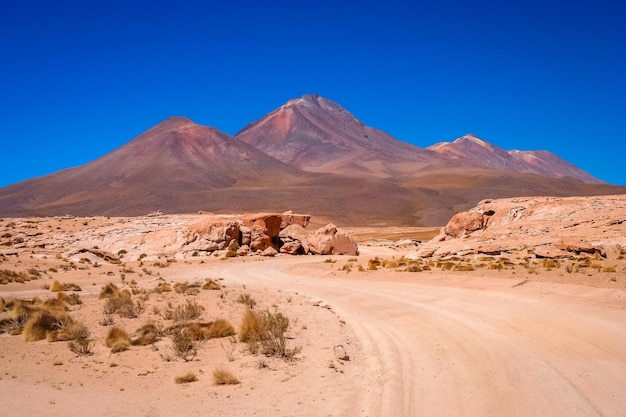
x,y
79,79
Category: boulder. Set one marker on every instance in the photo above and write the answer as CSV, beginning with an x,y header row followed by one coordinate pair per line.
x,y
293,247
288,219
579,246
259,240
214,231
245,235
295,233
243,250
269,222
270,251
328,240
464,223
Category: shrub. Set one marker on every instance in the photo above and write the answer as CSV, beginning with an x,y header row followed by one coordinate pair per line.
x,y
224,377
184,345
81,340
186,379
265,331
123,304
191,310
246,299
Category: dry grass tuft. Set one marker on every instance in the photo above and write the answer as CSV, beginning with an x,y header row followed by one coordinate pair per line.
x,y
163,287
80,343
191,310
186,379
184,344
57,286
109,290
224,377
147,334
265,332
211,285
44,321
117,340
123,304
187,288
246,299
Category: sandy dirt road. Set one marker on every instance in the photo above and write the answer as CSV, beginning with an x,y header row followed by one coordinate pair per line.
x,y
468,345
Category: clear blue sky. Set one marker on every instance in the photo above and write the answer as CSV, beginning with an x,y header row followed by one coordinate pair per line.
x,y
81,78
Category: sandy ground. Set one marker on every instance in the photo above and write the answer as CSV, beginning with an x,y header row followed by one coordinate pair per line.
x,y
433,343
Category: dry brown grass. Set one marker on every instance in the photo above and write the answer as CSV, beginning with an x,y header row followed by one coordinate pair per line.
x,y
69,286
117,340
264,332
187,288
80,343
211,285
223,377
246,299
122,303
191,310
186,379
147,334
44,321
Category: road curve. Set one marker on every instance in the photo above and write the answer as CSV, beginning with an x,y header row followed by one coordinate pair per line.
x,y
473,347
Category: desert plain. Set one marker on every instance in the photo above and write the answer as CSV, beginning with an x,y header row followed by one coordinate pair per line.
x,y
514,308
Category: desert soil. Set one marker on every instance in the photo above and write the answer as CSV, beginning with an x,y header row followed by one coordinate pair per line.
x,y
514,342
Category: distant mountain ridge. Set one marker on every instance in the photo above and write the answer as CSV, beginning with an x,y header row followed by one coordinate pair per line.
x,y
311,155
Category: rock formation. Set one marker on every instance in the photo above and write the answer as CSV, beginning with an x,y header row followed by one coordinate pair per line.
x,y
547,227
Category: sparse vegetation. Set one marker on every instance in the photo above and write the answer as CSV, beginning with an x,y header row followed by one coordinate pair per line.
x,y
186,379
147,334
224,377
81,340
57,286
191,310
264,332
117,340
245,298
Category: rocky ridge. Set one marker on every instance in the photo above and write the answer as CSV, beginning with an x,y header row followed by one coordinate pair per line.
x,y
546,227
157,235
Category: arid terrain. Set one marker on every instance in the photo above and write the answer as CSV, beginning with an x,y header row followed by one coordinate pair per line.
x,y
517,307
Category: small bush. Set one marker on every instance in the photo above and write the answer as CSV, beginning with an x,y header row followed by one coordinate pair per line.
x,y
224,377
246,299
81,342
186,379
265,331
191,310
184,345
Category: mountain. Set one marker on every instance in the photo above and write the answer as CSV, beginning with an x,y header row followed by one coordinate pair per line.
x,y
310,155
176,164
318,135
471,151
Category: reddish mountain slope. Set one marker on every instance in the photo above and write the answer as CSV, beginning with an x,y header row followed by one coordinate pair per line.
x,y
471,151
316,134
173,165
310,155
